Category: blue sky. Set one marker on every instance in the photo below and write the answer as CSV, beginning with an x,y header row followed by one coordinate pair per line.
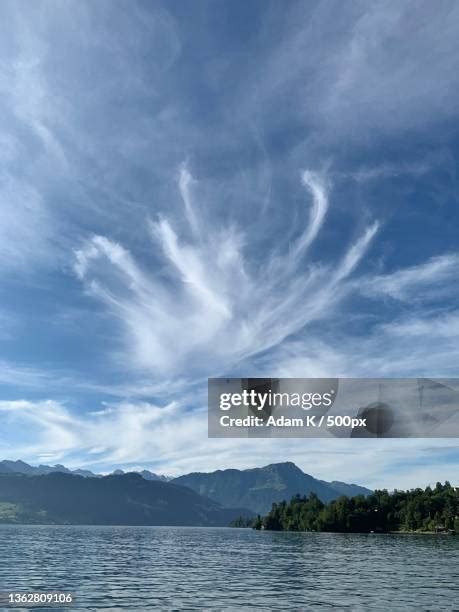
x,y
195,189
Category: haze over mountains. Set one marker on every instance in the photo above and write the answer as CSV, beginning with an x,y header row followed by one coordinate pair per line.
x,y
241,492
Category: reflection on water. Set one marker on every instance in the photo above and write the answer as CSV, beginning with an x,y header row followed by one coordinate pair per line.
x,y
138,568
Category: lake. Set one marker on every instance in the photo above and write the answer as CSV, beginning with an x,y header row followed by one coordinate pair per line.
x,y
138,568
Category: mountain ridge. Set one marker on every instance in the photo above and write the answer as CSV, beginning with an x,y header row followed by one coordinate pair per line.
x,y
127,499
257,488
21,467
254,488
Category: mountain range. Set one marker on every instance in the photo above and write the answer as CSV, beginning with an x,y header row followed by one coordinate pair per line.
x,y
128,499
249,491
20,467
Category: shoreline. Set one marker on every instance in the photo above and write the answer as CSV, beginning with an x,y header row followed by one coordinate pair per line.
x,y
435,533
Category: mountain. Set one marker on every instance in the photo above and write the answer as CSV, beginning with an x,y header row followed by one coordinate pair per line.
x,y
20,467
129,499
145,474
152,476
349,490
255,489
49,469
258,488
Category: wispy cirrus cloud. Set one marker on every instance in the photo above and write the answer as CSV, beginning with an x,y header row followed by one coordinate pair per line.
x,y
52,153
215,309
386,170
442,326
426,280
419,338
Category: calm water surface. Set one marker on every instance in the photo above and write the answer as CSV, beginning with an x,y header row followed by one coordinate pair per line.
x,y
173,568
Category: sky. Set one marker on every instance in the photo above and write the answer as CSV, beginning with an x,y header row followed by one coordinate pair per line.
x,y
216,188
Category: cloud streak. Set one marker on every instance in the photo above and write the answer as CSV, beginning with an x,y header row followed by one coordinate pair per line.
x,y
213,311
438,274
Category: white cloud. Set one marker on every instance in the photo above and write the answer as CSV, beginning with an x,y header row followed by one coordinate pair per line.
x,y
425,344
319,187
40,426
215,308
386,170
429,328
435,276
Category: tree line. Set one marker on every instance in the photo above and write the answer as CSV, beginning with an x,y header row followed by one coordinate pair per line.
x,y
431,509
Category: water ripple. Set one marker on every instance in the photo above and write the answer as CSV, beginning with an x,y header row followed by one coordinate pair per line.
x,y
173,568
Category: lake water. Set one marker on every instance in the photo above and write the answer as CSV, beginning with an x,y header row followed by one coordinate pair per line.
x,y
139,568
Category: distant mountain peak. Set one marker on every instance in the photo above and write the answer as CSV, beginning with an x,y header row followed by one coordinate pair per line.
x,y
287,466
258,488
